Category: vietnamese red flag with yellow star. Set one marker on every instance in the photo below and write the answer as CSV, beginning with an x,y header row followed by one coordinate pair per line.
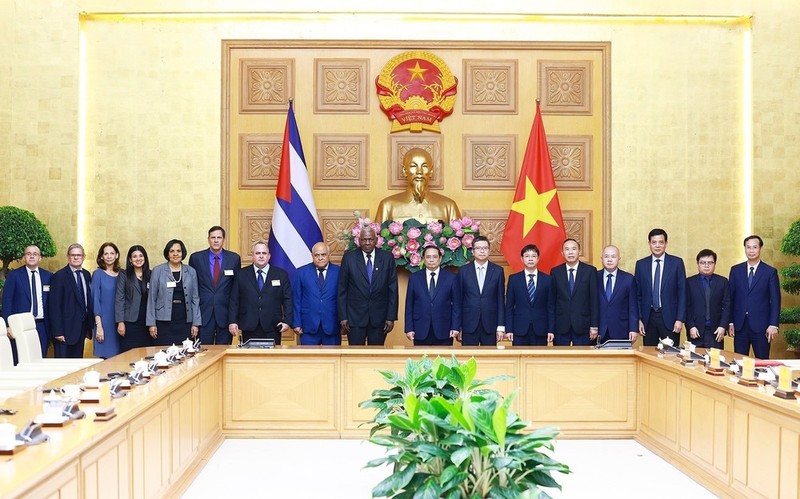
x,y
535,215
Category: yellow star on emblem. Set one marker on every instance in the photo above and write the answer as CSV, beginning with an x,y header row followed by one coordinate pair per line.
x,y
417,72
534,207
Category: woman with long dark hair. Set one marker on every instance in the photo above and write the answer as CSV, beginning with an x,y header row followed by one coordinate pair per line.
x,y
131,302
104,289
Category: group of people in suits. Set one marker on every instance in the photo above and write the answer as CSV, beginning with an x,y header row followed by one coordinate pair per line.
x,y
217,299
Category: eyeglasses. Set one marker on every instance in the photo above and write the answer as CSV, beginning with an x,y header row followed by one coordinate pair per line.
x,y
32,254
706,264
76,255
480,248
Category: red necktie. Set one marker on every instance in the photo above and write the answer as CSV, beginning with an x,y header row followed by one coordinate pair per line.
x,y
216,270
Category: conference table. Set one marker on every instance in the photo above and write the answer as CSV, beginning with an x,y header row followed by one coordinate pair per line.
x,y
737,441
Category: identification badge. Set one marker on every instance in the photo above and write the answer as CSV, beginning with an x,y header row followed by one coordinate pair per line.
x,y
45,288
228,271
276,282
171,284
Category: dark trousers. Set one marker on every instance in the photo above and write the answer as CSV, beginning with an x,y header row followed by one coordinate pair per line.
x,y
320,338
213,334
372,335
44,341
572,337
708,338
529,339
432,340
656,330
259,332
479,337
63,351
747,337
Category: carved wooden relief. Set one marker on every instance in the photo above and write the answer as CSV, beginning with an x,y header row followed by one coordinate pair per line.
x,y
565,87
259,160
571,160
341,86
578,226
490,86
341,161
335,223
254,225
266,85
491,162
399,145
493,225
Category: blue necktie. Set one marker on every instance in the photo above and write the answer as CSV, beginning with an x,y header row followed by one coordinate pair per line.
x,y
34,294
657,286
81,292
750,278
260,279
321,278
531,287
609,289
369,268
707,295
571,281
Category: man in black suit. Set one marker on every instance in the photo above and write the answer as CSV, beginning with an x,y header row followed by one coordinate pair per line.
x,y
708,303
575,298
215,269
261,299
27,290
69,309
482,284
367,295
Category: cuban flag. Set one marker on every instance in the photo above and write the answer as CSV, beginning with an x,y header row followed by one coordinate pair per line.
x,y
295,227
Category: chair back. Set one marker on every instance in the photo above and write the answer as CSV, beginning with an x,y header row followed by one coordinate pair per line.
x,y
6,357
23,326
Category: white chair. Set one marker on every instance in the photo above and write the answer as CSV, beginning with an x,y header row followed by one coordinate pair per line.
x,y
29,349
41,372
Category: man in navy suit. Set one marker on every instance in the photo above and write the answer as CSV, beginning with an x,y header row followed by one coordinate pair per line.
x,y
755,302
367,295
261,299
619,309
574,298
215,269
530,314
433,303
661,288
26,290
69,307
708,303
315,288
482,286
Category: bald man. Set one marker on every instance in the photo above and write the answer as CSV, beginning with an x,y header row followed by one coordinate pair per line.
x,y
616,291
315,288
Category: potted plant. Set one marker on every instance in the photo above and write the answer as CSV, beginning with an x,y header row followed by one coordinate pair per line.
x,y
790,282
449,437
19,229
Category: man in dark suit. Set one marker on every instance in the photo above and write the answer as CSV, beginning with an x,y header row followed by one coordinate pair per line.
x,y
215,269
482,287
755,302
367,296
708,303
69,307
574,298
26,290
661,288
433,303
261,299
616,290
530,314
315,288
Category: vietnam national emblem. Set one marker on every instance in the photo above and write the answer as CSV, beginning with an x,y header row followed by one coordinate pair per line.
x,y
416,90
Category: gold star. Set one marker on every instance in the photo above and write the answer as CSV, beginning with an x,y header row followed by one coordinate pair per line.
x,y
417,72
534,207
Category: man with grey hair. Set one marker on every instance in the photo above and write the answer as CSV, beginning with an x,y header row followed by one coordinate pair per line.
x,y
69,310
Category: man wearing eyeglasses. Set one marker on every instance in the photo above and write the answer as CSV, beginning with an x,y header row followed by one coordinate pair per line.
x,y
708,303
26,290
482,285
69,313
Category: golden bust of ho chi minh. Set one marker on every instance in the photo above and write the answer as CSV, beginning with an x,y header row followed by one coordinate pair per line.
x,y
417,201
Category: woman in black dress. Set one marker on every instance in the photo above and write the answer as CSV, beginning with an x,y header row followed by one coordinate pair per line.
x,y
131,301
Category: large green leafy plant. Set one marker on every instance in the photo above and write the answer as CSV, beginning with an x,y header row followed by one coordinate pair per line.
x,y
19,229
790,282
449,437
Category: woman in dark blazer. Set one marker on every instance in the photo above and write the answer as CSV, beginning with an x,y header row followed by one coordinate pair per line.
x,y
130,307
173,302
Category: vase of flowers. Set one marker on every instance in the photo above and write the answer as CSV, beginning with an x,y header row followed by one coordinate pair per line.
x,y
407,240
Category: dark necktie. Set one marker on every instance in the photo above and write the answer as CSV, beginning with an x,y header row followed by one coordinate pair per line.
x,y
369,268
657,285
707,294
260,279
34,294
531,287
81,292
432,284
321,278
750,278
217,270
571,281
609,288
